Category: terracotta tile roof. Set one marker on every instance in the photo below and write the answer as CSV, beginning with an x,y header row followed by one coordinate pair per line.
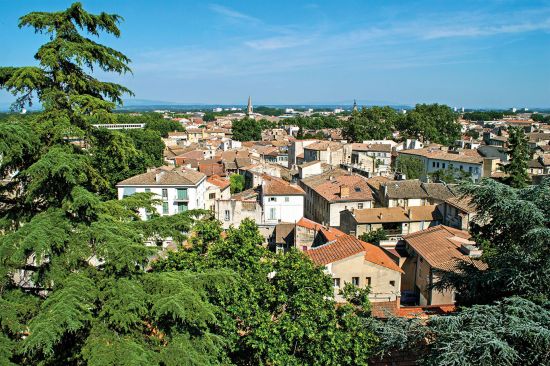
x,y
166,176
218,181
471,157
396,214
329,233
324,145
345,246
358,189
463,203
376,182
372,147
211,168
195,154
440,247
273,186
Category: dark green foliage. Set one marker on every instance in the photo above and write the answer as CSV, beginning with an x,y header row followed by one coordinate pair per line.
x,y
431,122
209,117
281,313
374,236
512,226
518,150
411,166
237,183
451,175
163,126
375,123
248,129
73,283
483,115
315,122
540,118
514,331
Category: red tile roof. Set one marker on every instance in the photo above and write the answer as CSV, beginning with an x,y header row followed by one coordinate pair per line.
x,y
345,246
273,186
218,181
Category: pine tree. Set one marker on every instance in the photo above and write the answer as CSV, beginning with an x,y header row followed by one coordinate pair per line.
x,y
74,288
518,150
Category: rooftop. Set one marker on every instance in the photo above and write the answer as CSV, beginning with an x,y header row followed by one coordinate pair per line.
x,y
346,246
440,247
471,156
166,176
396,214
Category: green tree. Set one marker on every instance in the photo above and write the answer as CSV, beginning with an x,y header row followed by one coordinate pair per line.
x,y
512,227
513,331
451,175
163,126
74,288
518,150
374,236
209,117
282,312
149,144
375,123
431,122
246,129
237,183
411,166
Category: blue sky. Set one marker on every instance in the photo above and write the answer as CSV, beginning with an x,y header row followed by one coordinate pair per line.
x,y
493,53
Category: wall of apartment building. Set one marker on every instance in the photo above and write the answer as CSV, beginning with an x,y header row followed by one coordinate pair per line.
x,y
406,202
337,207
195,197
456,218
348,225
233,212
282,208
218,194
423,280
385,282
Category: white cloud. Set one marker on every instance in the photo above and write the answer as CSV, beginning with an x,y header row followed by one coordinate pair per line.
x,y
233,14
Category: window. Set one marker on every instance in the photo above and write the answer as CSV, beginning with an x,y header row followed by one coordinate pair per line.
x,y
461,167
336,282
164,194
227,215
355,281
147,190
443,165
359,205
212,196
287,199
182,206
470,169
182,193
272,199
165,208
128,191
433,164
304,248
368,280
272,213
392,283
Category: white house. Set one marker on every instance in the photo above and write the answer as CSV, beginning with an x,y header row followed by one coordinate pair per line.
x,y
282,202
180,189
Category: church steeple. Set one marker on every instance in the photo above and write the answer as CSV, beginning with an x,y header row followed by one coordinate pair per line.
x,y
355,105
249,109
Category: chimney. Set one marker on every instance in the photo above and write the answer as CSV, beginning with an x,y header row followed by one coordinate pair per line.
x,y
344,191
158,176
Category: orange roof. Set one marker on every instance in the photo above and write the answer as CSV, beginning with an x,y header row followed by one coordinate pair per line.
x,y
440,247
273,186
328,232
359,190
396,214
345,246
218,181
